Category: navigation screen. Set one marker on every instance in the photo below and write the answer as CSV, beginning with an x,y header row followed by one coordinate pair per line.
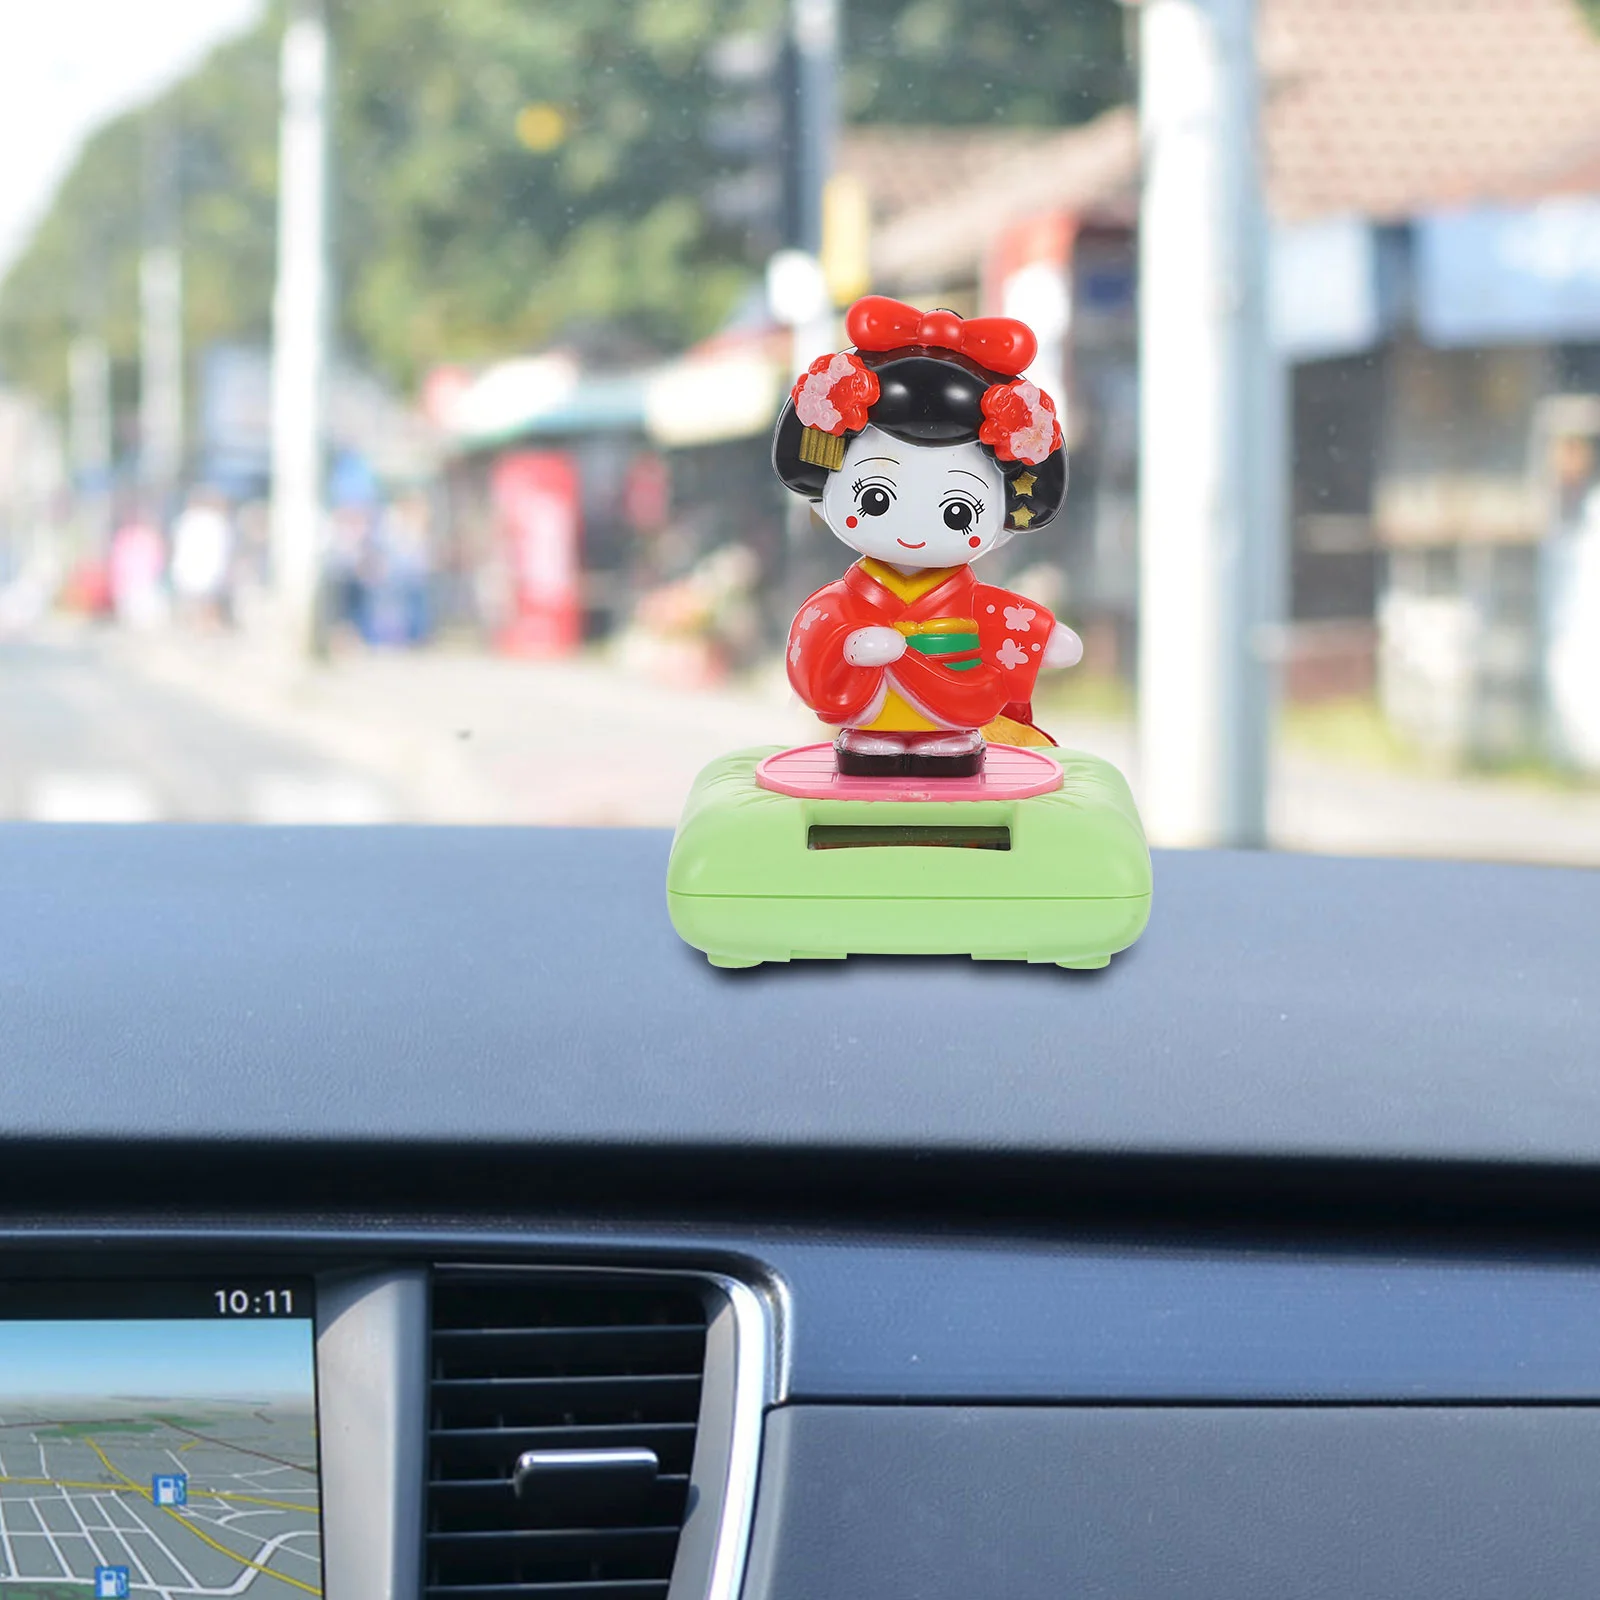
x,y
158,1439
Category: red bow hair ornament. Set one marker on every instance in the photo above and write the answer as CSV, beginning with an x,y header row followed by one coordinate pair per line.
x,y
1002,344
834,395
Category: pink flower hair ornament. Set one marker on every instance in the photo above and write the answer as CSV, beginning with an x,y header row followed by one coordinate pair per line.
x,y
1020,422
832,398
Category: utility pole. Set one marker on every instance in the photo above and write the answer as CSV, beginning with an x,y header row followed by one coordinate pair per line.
x,y
1212,455
300,322
161,317
796,286
814,38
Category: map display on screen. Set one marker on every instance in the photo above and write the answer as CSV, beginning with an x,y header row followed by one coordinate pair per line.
x,y
158,1439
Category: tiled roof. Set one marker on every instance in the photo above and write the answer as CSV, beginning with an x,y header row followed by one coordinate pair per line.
x,y
902,168
1089,170
1376,107
1387,107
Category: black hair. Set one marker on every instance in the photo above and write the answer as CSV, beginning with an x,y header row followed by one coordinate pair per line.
x,y
928,398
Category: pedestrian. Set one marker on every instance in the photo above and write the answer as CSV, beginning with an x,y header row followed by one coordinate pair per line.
x,y
138,560
397,572
202,560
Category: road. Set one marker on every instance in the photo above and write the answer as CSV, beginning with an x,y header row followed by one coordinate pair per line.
x,y
104,727
85,739
90,1503
97,726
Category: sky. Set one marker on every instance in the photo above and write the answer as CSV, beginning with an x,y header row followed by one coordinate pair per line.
x,y
252,1358
66,66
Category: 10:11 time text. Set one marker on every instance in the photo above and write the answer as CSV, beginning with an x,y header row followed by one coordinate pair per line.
x,y
258,1303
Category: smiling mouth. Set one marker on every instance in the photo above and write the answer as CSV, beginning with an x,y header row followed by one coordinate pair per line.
x,y
910,546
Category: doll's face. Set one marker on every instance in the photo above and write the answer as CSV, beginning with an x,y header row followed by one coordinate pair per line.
x,y
916,505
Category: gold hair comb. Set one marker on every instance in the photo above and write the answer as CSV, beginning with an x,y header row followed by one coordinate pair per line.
x,y
819,449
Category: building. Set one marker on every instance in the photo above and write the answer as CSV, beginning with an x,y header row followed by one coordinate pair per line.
x,y
1433,171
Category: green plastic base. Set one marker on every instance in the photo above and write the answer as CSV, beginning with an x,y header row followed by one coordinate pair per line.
x,y
1073,888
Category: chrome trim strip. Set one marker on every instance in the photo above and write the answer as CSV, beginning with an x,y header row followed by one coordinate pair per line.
x,y
754,1376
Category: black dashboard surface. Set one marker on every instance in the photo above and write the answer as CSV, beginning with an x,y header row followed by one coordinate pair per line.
x,y
524,988
1213,1503
1150,1399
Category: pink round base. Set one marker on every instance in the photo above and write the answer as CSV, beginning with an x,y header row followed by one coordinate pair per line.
x,y
808,773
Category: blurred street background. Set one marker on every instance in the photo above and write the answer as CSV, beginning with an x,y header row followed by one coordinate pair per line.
x,y
386,389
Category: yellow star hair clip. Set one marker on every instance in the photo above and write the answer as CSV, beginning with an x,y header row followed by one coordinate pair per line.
x,y
1023,483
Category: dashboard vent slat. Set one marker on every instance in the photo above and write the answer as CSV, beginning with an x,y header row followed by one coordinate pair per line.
x,y
579,1346
463,1453
544,1362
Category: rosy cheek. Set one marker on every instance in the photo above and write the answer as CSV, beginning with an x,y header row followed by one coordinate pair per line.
x,y
849,522
974,541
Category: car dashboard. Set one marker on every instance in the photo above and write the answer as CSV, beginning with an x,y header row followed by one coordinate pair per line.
x,y
1260,1263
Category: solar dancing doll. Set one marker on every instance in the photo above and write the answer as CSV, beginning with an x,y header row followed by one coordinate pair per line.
x,y
923,449
939,820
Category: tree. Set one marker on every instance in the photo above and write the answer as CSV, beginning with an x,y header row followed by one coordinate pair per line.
x,y
505,170
80,270
509,169
1024,63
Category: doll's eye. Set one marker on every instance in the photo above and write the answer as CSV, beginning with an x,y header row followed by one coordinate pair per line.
x,y
875,500
958,514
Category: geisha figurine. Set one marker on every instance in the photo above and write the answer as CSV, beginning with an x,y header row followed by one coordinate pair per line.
x,y
923,449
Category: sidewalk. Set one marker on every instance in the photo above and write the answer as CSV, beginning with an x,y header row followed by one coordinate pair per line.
x,y
473,739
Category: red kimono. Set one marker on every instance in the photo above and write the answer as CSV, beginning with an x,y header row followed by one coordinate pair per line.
x,y
973,650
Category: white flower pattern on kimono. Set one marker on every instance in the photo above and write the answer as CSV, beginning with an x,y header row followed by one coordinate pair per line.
x,y
1011,654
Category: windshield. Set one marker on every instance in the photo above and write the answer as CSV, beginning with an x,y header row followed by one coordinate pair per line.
x,y
394,395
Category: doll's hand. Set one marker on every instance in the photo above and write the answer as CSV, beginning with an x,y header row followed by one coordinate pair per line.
x,y
874,647
1062,649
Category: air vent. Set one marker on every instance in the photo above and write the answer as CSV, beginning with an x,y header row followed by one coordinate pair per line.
x,y
561,1435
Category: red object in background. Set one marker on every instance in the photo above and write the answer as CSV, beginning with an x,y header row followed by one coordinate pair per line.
x,y
536,503
647,493
87,589
1046,238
